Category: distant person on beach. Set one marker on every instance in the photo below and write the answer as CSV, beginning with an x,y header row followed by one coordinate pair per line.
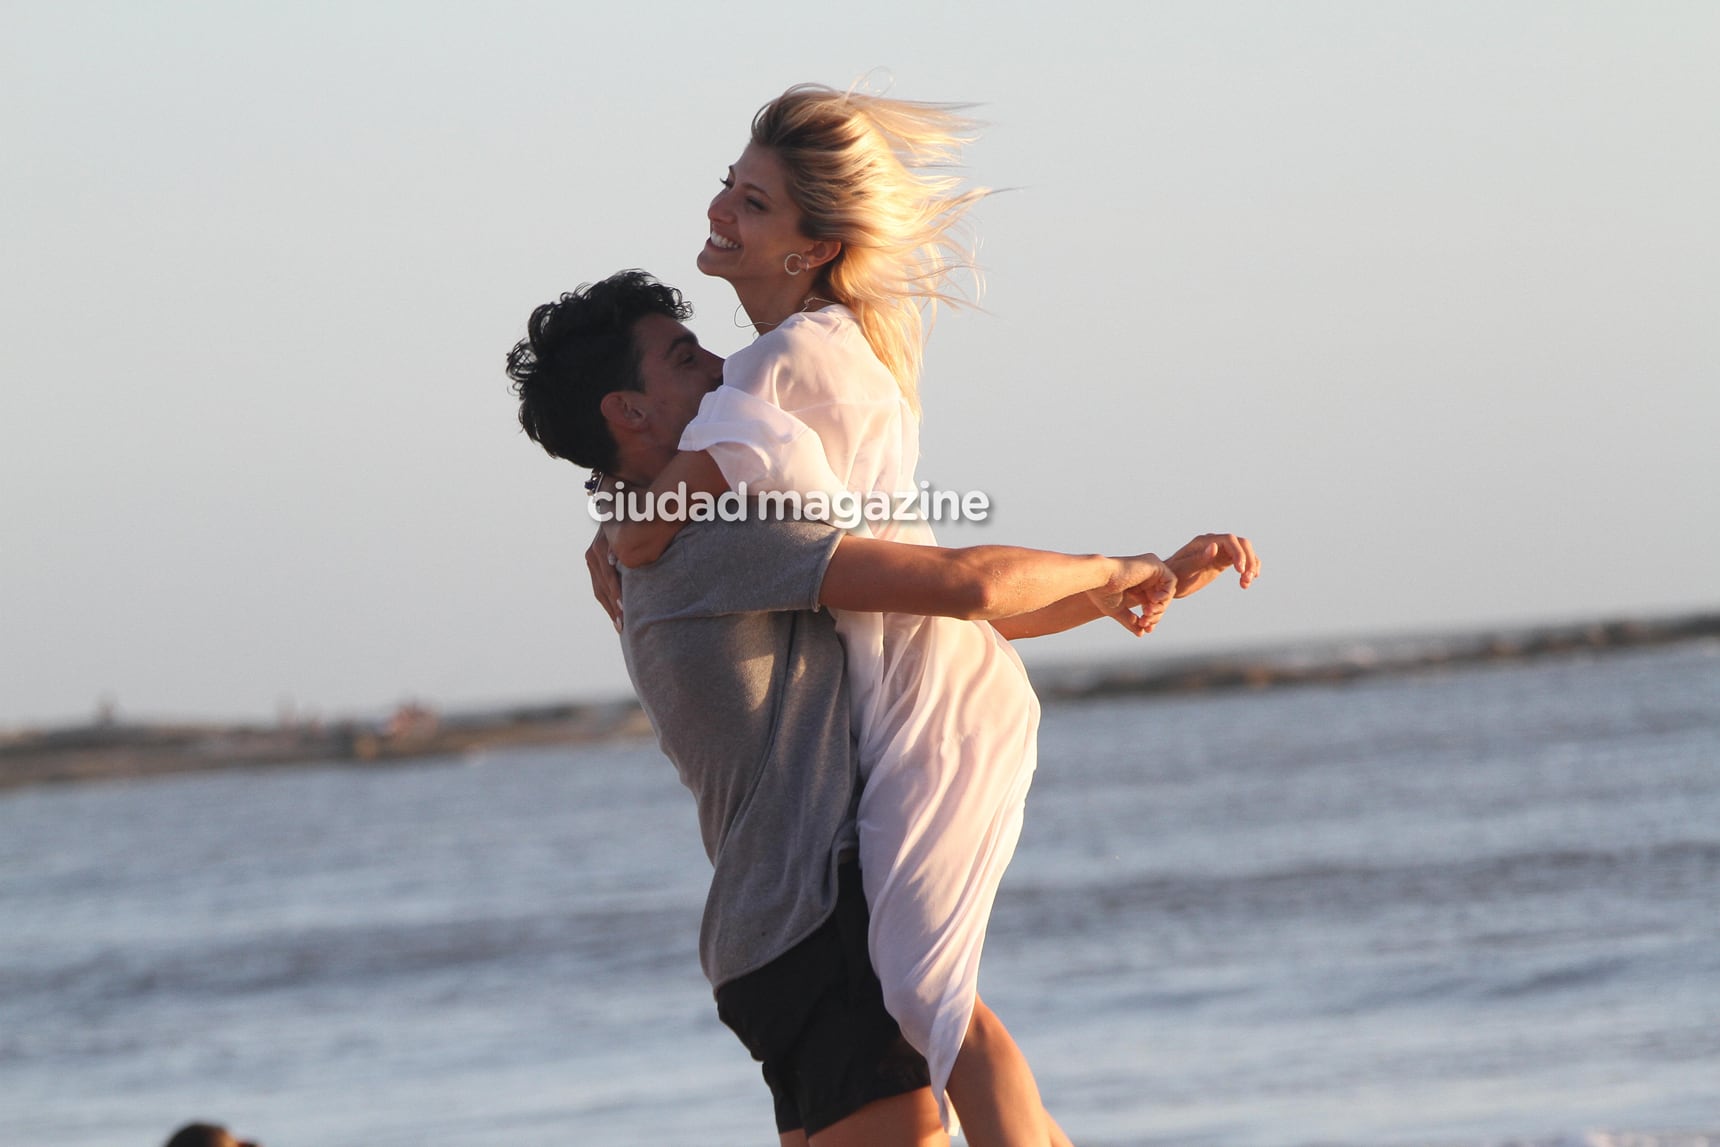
x,y
206,1135
745,686
836,226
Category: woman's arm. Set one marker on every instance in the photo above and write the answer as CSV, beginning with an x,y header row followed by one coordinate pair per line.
x,y
1194,566
605,582
639,543
983,583
1209,555
1069,613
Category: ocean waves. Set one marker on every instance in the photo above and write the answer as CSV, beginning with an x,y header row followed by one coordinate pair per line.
x,y
1469,909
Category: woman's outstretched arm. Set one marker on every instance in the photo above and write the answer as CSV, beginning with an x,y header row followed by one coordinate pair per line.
x,y
984,583
1195,566
1209,555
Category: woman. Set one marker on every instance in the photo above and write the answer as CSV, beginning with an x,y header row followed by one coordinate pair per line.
x,y
835,228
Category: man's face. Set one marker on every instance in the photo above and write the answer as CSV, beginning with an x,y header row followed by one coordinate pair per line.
x,y
675,373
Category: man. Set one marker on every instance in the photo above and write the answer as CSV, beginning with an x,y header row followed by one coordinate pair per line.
x,y
742,677
206,1135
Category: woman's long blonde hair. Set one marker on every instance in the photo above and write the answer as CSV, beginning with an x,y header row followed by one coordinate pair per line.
x,y
873,174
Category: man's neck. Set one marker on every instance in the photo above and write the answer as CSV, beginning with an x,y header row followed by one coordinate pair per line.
x,y
640,467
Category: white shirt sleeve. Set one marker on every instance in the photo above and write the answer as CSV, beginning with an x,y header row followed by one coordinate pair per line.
x,y
806,407
761,445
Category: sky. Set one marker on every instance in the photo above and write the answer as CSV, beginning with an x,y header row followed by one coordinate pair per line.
x,y
1421,297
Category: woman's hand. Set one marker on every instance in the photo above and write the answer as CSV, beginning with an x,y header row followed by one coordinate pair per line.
x,y
1141,582
1204,558
605,581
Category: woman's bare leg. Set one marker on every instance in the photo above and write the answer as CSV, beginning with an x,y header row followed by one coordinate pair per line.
x,y
993,1090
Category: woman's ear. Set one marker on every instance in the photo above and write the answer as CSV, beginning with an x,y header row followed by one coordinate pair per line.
x,y
821,252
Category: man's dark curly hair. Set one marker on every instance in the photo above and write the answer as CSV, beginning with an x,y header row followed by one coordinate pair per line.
x,y
578,349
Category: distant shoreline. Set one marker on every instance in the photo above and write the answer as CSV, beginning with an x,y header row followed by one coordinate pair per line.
x,y
115,750
1324,663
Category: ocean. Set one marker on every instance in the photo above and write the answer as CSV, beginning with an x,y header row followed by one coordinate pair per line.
x,y
1473,907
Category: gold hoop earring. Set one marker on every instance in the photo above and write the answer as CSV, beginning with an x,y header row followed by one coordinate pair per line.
x,y
794,255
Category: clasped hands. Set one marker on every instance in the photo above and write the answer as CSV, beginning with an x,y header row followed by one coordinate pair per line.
x,y
1141,587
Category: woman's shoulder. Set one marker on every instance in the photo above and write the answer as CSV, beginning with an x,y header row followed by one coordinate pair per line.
x,y
809,347
789,339
832,330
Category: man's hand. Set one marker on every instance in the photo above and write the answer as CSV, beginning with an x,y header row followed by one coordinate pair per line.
x,y
1141,582
1204,558
605,582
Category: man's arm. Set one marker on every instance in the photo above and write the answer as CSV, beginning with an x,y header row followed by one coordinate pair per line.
x,y
985,583
1194,566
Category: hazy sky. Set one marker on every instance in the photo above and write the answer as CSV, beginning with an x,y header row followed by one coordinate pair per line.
x,y
1422,297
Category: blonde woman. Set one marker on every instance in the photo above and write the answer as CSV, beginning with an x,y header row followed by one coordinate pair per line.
x,y
838,228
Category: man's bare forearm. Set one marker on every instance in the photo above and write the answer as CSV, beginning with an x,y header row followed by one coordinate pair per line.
x,y
977,583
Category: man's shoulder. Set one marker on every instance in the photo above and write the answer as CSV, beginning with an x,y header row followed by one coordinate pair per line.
x,y
743,565
758,529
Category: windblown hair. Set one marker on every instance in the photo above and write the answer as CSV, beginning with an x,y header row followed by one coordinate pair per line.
x,y
579,349
873,174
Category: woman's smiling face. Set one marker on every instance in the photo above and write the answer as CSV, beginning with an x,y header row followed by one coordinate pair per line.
x,y
754,223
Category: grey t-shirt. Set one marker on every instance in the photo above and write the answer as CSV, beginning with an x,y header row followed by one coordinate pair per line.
x,y
745,685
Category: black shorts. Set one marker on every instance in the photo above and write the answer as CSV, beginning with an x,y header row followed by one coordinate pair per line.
x,y
815,1018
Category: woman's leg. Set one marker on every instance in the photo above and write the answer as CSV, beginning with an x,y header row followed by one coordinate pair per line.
x,y
993,1090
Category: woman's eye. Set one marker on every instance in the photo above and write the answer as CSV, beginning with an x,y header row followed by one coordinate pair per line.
x,y
755,204
727,182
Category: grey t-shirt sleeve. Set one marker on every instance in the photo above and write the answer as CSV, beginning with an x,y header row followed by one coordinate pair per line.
x,y
751,566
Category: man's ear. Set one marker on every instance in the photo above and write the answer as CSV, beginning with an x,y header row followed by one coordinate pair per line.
x,y
623,408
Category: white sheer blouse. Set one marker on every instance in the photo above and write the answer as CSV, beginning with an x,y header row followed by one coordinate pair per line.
x,y
946,718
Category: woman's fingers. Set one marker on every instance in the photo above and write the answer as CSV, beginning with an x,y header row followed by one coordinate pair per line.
x,y
1233,551
605,581
1247,561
